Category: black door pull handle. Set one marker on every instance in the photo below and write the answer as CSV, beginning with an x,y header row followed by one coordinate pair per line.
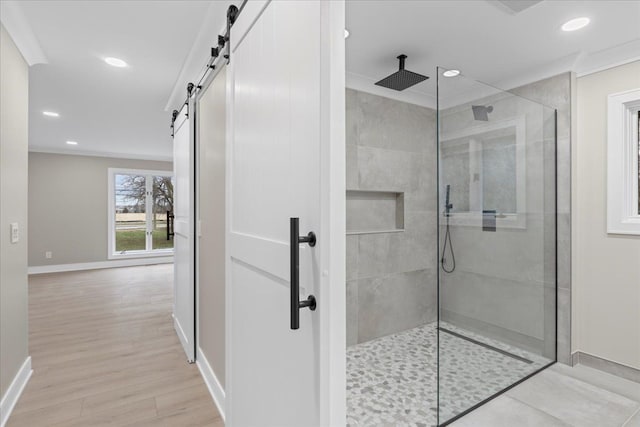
x,y
295,240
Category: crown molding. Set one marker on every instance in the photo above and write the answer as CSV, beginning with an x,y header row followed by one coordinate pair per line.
x,y
89,153
580,62
18,27
609,58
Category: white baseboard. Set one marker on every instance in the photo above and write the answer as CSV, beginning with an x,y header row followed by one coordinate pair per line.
x,y
41,269
14,391
210,379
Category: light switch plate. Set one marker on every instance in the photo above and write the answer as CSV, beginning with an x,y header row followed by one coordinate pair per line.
x,y
15,232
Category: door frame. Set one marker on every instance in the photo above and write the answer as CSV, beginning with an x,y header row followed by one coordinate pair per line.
x,y
332,310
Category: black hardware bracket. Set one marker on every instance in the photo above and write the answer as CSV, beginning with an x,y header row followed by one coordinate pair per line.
x,y
174,116
223,41
170,231
232,15
295,240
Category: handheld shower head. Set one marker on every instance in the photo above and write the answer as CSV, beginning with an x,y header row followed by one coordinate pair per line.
x,y
447,205
448,267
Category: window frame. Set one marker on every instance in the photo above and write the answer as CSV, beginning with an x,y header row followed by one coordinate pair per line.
x,y
474,217
111,237
622,163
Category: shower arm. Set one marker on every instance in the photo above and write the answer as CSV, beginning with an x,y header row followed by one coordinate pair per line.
x,y
402,59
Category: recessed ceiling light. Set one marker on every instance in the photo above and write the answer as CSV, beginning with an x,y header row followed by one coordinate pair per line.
x,y
115,62
451,73
51,114
72,143
346,33
575,24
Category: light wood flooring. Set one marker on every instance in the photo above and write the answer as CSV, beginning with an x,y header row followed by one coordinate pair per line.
x,y
104,352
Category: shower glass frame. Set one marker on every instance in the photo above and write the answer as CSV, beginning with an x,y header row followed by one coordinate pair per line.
x,y
455,97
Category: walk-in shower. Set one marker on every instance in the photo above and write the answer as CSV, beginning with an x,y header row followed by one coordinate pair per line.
x,y
433,333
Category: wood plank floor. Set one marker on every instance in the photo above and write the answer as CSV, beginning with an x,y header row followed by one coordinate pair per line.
x,y
104,353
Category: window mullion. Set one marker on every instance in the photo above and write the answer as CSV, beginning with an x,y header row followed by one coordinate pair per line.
x,y
149,211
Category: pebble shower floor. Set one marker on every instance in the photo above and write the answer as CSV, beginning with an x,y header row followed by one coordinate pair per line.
x,y
391,381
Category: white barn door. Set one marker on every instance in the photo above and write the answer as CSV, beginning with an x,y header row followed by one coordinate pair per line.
x,y
183,239
286,158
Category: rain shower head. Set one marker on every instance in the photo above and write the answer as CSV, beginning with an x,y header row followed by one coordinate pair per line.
x,y
401,79
481,112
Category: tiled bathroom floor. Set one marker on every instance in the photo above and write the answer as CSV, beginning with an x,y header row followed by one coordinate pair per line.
x,y
562,396
392,380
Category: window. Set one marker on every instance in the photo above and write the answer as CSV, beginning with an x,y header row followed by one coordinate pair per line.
x,y
140,203
485,169
623,163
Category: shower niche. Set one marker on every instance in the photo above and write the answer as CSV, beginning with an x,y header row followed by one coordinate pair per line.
x,y
374,211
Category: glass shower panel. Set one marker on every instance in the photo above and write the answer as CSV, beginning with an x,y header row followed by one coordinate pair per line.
x,y
497,242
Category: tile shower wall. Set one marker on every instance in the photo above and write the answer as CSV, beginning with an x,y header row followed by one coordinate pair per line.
x,y
391,276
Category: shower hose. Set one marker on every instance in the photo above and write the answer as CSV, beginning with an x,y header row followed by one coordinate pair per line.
x,y
447,242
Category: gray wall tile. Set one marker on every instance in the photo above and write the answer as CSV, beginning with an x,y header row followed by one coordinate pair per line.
x,y
352,312
352,167
517,306
388,170
352,257
391,147
564,326
388,304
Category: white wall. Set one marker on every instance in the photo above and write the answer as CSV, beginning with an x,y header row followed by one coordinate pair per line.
x,y
211,214
607,267
14,112
68,198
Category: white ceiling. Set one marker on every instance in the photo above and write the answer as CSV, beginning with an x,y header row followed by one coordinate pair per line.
x,y
112,111
484,40
108,110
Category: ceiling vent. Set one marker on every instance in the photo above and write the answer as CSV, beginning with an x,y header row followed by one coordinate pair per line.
x,y
515,6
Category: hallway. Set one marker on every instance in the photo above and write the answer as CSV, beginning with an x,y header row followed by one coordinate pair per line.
x,y
104,352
